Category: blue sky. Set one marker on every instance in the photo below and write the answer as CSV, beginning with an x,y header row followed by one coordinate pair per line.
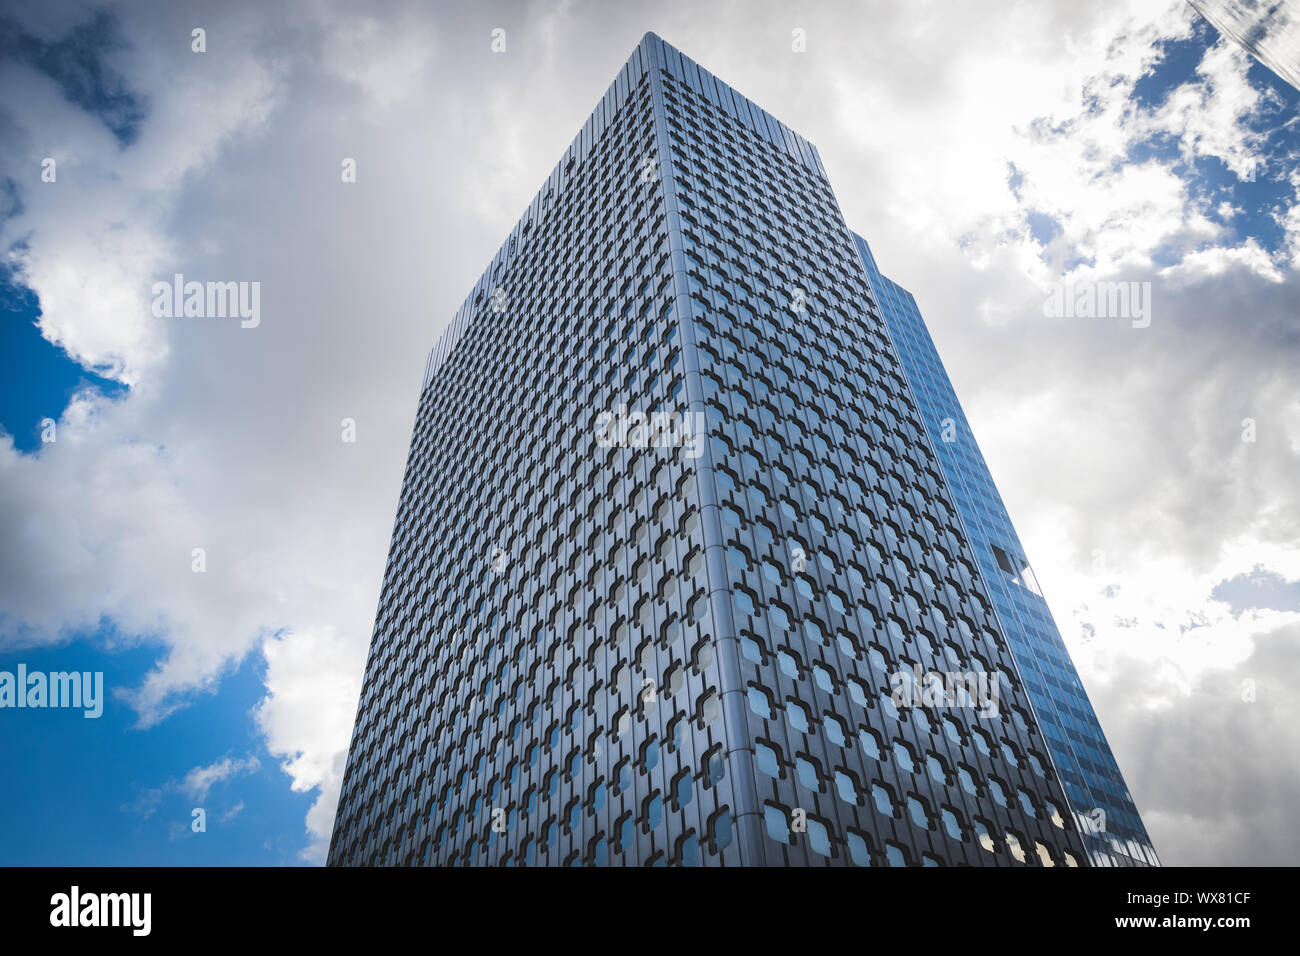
x,y
100,792
235,690
1209,179
1254,197
41,378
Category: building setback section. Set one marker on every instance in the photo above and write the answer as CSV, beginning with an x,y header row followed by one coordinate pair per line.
x,y
1104,811
620,654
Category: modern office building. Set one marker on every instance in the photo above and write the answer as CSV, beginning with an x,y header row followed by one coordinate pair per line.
x,y
677,576
1103,809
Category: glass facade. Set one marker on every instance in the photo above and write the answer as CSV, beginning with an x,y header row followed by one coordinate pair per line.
x,y
1104,811
676,576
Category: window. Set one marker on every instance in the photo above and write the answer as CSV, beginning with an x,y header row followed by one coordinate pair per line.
x,y
720,830
858,851
777,823
806,772
819,839
653,812
767,759
846,788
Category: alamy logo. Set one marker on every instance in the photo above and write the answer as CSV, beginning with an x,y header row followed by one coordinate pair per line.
x,y
57,689
208,300
915,688
658,430
1100,300
133,910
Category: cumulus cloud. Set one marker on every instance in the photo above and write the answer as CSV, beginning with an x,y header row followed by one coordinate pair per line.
x,y
1119,450
200,780
195,785
311,680
1221,790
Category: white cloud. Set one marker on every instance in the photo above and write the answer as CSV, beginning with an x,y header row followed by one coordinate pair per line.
x,y
196,785
199,781
100,235
313,683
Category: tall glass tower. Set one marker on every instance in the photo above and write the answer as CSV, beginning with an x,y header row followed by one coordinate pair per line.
x,y
677,575
1104,810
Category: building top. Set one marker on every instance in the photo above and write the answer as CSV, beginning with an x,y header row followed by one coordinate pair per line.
x,y
651,53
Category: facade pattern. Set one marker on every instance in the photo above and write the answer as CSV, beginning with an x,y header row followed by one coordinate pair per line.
x,y
633,652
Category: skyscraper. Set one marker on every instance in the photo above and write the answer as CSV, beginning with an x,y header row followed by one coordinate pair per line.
x,y
677,577
1104,812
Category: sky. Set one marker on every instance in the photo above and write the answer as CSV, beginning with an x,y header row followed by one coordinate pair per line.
x,y
988,151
